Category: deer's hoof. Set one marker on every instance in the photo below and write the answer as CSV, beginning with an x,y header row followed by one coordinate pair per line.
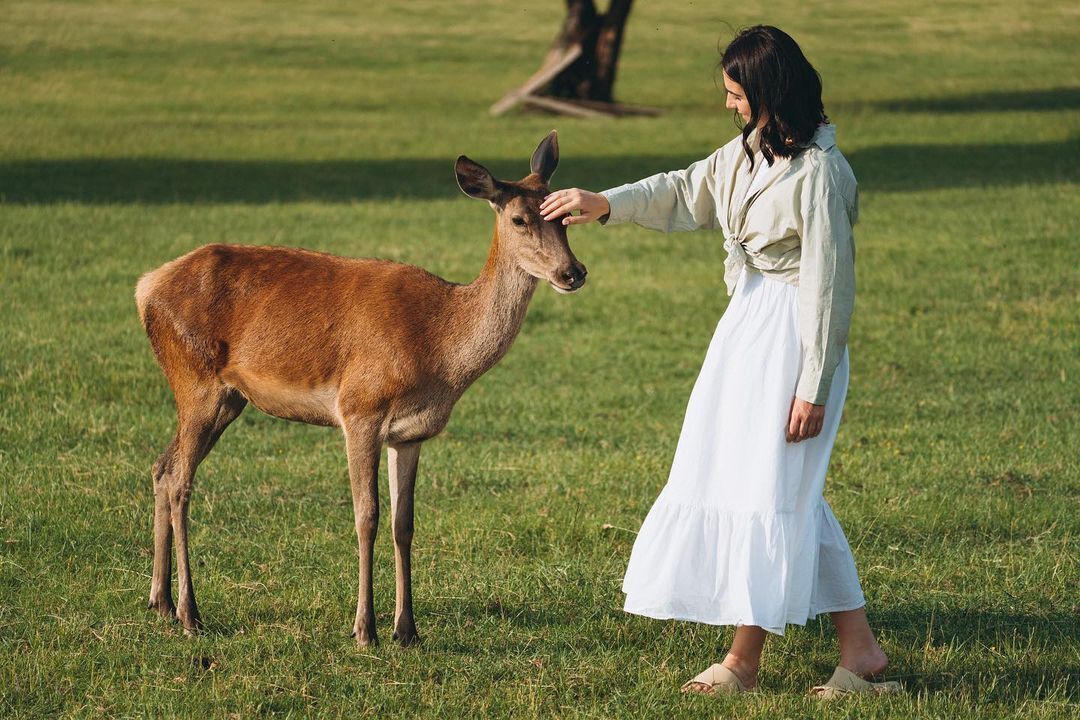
x,y
193,625
364,638
164,608
408,638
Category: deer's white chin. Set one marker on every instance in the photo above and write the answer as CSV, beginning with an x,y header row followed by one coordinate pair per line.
x,y
563,290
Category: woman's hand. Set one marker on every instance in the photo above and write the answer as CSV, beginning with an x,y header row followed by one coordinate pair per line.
x,y
562,203
804,420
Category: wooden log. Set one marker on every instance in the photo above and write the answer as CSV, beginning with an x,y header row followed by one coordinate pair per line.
x,y
587,108
563,106
555,65
616,108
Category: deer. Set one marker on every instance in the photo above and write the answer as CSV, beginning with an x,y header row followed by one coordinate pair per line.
x,y
381,350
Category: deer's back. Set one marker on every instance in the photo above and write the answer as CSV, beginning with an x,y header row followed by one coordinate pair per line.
x,y
285,322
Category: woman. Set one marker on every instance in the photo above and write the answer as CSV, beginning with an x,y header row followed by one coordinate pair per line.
x,y
741,534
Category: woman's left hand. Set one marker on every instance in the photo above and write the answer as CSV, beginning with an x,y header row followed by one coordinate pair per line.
x,y
804,420
563,203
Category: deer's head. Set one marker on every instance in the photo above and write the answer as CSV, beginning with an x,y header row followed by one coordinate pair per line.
x,y
539,247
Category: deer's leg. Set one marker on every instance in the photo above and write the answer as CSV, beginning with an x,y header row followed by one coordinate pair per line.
x,y
203,416
403,460
363,444
161,583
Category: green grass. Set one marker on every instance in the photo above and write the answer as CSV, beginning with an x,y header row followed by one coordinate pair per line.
x,y
133,132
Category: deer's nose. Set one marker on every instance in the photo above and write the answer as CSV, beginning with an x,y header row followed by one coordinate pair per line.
x,y
575,276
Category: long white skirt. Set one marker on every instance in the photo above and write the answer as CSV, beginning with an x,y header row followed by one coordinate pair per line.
x,y
741,534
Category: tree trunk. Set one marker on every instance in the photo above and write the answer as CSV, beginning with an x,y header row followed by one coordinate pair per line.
x,y
592,75
577,76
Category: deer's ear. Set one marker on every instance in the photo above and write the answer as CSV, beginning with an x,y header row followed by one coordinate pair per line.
x,y
475,180
546,157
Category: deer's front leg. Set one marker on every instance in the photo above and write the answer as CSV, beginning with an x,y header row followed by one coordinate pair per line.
x,y
363,445
403,460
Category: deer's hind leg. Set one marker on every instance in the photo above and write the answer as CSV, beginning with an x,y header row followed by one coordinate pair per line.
x,y
204,408
199,426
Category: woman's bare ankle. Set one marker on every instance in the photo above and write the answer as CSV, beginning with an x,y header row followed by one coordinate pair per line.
x,y
745,670
865,662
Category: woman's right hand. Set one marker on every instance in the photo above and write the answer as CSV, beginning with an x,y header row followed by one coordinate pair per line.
x,y
562,203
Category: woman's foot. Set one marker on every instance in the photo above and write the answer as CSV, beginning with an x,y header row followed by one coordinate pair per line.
x,y
859,649
866,662
733,675
716,679
739,669
744,670
844,683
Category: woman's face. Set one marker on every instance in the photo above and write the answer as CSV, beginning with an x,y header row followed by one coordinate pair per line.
x,y
736,98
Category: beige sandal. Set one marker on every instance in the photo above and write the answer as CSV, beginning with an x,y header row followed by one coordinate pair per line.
x,y
844,682
716,679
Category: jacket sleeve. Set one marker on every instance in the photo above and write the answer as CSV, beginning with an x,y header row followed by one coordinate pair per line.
x,y
826,293
671,201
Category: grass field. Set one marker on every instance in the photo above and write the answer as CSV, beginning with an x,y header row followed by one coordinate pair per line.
x,y
132,132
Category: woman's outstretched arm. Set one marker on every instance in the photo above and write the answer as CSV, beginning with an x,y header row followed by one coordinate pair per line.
x,y
678,200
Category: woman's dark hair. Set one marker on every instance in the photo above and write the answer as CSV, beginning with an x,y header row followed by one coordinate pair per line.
x,y
780,84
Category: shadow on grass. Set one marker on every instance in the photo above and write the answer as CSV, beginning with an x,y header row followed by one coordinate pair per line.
x,y
171,180
982,633
1050,99
987,642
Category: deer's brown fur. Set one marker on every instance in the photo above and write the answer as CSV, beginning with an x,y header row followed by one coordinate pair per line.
x,y
380,349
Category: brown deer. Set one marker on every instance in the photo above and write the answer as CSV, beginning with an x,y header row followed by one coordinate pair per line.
x,y
380,349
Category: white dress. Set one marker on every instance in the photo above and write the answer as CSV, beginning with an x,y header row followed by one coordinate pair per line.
x,y
741,534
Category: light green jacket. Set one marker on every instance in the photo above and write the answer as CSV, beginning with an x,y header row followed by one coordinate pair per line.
x,y
797,228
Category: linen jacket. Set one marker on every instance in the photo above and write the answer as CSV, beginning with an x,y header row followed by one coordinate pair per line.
x,y
796,228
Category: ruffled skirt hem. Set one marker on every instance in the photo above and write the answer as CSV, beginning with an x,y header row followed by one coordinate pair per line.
x,y
767,569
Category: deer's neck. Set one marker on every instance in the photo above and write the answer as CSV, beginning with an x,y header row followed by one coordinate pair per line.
x,y
488,315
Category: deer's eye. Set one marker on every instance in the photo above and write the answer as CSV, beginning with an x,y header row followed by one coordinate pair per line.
x,y
518,220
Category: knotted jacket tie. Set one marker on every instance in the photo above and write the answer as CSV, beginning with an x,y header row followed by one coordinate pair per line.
x,y
733,263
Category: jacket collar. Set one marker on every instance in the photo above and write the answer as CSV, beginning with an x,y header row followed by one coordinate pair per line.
x,y
825,137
